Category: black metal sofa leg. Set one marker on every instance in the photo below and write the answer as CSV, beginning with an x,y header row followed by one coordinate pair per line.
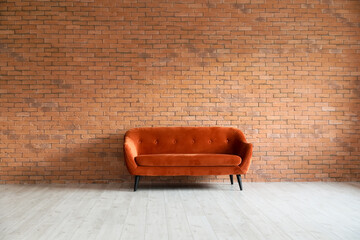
x,y
239,181
137,178
231,179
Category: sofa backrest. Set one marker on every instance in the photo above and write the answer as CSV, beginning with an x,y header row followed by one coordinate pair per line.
x,y
162,140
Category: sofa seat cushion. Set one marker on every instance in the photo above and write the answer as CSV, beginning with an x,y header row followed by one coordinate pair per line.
x,y
187,160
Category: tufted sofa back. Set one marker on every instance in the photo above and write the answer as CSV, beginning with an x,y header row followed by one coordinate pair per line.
x,y
161,140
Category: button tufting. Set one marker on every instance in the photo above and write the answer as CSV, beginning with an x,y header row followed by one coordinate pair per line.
x,y
156,141
210,141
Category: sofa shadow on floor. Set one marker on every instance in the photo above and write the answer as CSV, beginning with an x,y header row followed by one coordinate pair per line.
x,y
122,187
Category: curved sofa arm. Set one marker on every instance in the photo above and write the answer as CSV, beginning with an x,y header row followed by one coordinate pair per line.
x,y
130,152
245,152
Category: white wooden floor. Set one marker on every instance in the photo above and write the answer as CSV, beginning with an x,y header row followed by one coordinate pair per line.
x,y
201,211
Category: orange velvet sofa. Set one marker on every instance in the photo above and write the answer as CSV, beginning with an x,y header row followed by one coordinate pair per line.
x,y
186,151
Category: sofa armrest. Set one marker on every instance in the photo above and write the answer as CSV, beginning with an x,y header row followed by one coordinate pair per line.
x,y
245,152
130,152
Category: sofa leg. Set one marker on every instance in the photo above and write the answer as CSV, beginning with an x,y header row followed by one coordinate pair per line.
x,y
239,181
231,179
137,178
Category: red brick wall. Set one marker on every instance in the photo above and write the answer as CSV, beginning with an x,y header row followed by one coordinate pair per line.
x,y
75,75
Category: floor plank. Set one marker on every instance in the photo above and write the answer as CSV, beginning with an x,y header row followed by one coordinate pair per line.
x,y
215,215
177,223
156,224
198,223
134,225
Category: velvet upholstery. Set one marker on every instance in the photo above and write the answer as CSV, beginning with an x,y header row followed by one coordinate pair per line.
x,y
193,151
187,160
